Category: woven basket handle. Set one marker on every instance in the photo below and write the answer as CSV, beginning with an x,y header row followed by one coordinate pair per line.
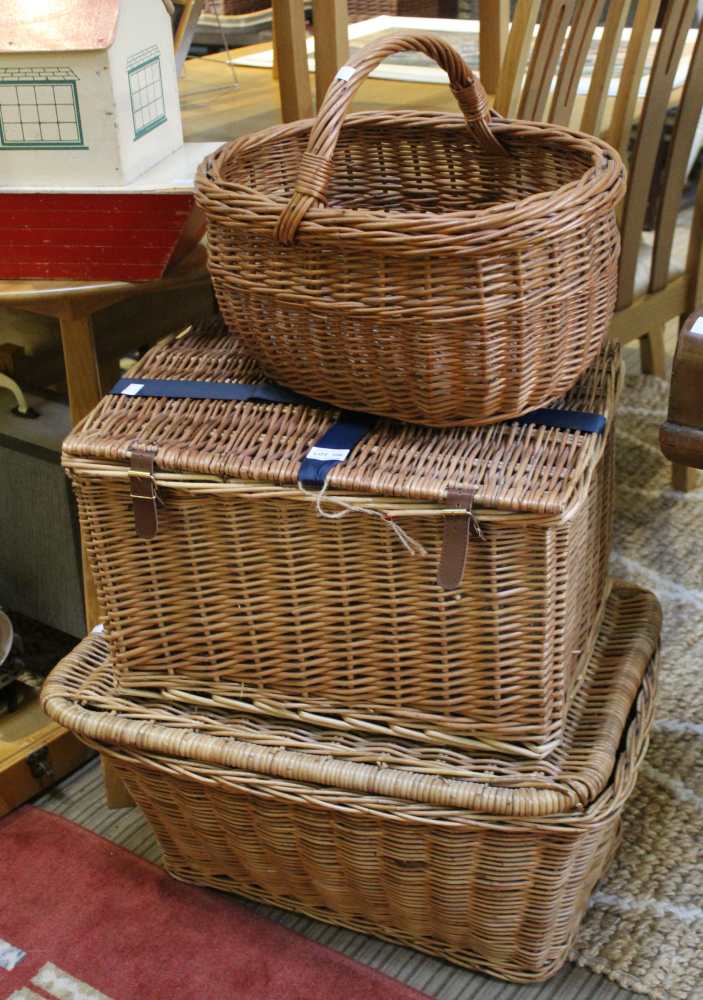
x,y
316,163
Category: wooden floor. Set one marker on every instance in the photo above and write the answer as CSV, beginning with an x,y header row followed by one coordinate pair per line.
x,y
80,798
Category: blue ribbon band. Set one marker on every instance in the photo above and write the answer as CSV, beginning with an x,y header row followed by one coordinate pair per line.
x,y
566,420
334,447
242,392
337,443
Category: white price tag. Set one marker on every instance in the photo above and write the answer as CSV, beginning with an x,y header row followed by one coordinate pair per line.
x,y
132,389
698,325
328,454
346,73
98,629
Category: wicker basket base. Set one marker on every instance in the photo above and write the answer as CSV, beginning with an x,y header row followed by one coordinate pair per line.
x,y
502,892
495,957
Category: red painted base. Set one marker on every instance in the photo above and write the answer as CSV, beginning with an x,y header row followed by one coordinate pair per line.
x,y
103,237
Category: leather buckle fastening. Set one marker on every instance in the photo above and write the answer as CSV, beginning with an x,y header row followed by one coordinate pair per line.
x,y
143,491
455,542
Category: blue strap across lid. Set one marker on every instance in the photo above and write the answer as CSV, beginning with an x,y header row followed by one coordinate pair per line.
x,y
335,446
337,443
242,392
566,420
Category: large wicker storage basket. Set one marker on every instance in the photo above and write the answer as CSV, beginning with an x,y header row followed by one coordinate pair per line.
x,y
413,264
484,860
262,591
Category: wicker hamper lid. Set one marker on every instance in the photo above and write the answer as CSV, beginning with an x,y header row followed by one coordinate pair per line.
x,y
616,693
510,466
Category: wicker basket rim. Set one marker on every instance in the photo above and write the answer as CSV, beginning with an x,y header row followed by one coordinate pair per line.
x,y
538,472
605,177
80,696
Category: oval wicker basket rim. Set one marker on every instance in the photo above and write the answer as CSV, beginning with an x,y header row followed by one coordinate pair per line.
x,y
64,698
599,811
605,176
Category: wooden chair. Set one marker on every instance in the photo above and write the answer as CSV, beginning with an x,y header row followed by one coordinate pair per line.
x,y
660,272
330,20
681,437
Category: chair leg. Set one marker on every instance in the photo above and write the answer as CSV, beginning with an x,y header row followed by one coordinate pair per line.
x,y
116,795
683,478
653,353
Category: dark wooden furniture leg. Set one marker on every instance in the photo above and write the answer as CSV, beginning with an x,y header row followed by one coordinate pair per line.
x,y
681,436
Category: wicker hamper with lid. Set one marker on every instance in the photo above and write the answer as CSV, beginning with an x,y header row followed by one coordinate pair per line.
x,y
298,603
484,860
420,265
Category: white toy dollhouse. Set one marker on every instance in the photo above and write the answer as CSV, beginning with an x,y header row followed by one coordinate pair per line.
x,y
96,182
88,91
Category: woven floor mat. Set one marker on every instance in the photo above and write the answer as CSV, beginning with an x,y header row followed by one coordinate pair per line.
x,y
645,925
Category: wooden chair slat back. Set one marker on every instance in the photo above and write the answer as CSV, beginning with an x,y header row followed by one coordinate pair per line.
x,y
677,22
581,31
517,53
625,102
555,17
598,91
675,169
494,26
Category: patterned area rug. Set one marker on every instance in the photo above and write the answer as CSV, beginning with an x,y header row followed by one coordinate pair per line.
x,y
645,925
85,920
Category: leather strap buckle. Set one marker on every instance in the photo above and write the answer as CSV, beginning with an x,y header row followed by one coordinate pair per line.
x,y
143,492
455,541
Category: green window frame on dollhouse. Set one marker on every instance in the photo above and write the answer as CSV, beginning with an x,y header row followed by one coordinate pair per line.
x,y
146,90
39,108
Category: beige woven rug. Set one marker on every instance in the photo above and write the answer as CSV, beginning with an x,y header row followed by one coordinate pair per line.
x,y
645,925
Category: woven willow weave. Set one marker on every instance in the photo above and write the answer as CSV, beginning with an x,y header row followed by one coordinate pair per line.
x,y
414,264
359,10
248,590
482,859
234,8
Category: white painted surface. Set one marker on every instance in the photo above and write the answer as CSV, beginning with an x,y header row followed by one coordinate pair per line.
x,y
109,148
175,174
144,25
96,160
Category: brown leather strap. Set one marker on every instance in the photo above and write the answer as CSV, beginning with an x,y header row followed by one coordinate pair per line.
x,y
455,543
142,488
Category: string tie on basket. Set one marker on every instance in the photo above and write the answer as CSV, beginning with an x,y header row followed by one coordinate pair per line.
x,y
314,174
476,526
409,543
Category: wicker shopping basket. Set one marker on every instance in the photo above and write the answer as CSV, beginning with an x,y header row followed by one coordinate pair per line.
x,y
413,264
228,576
485,860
